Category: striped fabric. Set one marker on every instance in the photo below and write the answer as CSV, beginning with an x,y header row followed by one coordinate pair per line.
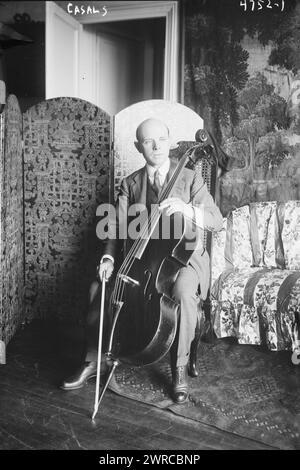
x,y
290,234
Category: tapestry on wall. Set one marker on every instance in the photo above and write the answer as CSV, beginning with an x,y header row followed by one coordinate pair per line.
x,y
66,164
242,75
11,206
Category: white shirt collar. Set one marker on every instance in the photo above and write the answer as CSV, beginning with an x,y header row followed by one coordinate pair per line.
x,y
162,171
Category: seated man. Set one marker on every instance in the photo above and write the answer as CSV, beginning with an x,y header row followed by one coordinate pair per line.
x,y
194,201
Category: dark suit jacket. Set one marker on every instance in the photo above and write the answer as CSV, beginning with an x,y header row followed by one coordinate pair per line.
x,y
192,190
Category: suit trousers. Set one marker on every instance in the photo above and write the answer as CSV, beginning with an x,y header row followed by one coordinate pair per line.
x,y
184,292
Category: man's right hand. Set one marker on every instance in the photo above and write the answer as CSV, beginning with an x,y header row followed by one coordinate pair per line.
x,y
106,269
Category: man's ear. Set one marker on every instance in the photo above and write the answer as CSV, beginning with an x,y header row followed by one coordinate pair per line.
x,y
138,146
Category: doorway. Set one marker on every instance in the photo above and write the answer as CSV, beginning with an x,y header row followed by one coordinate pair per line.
x,y
129,62
113,64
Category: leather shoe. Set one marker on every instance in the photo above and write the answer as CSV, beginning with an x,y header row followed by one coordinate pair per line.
x,y
180,385
80,378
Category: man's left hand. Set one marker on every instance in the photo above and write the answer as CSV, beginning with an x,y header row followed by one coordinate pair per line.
x,y
175,204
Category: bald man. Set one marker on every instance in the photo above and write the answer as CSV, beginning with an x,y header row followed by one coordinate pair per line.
x,y
191,198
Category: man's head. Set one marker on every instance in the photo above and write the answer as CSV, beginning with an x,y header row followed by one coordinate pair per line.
x,y
153,141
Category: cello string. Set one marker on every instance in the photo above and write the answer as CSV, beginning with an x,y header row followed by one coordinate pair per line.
x,y
145,229
130,259
166,192
163,195
127,264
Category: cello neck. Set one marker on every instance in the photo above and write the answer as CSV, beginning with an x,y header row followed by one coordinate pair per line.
x,y
174,178
149,226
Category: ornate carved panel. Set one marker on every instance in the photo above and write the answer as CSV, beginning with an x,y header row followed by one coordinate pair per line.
x,y
11,206
66,164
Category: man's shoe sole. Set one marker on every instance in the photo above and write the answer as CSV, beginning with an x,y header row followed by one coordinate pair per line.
x,y
76,387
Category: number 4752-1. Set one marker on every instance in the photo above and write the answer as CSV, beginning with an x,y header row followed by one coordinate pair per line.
x,y
260,4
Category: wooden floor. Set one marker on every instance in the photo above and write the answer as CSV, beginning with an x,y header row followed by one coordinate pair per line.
x,y
36,414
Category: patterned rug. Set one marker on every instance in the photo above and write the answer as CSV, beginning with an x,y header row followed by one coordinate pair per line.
x,y
242,389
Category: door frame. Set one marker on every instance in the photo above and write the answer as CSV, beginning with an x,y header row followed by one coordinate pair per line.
x,y
53,9
131,10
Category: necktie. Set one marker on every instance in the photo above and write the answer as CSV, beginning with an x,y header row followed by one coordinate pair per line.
x,y
156,183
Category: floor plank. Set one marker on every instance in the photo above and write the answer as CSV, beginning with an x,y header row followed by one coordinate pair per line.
x,y
36,414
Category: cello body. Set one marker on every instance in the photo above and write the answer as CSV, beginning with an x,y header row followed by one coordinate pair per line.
x,y
142,310
147,315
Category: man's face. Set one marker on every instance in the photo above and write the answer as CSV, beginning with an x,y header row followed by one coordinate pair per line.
x,y
153,142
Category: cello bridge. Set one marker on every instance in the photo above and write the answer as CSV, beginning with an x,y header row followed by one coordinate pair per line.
x,y
128,280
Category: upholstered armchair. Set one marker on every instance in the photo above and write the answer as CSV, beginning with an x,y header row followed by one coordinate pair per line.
x,y
255,291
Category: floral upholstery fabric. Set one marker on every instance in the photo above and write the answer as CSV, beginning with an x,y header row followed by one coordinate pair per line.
x,y
258,306
260,214
231,247
273,255
218,258
256,275
267,249
238,243
227,302
291,234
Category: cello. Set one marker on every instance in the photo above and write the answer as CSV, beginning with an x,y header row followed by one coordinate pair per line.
x,y
143,312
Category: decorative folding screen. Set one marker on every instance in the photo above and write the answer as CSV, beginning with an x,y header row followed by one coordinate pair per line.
x,y
11,217
66,162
